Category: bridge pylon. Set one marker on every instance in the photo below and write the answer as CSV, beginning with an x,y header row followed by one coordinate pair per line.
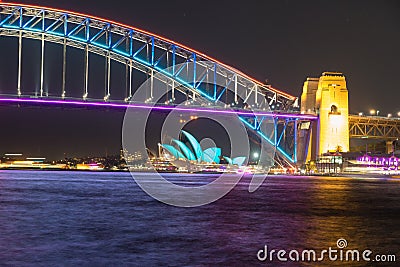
x,y
327,97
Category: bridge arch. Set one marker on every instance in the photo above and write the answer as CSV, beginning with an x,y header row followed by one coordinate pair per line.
x,y
139,49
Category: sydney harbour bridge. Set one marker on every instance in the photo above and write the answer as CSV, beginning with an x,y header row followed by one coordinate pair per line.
x,y
202,82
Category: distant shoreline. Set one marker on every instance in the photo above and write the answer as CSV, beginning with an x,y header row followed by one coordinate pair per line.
x,y
338,175
59,170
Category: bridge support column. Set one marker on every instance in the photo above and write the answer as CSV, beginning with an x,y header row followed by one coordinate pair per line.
x,y
42,68
64,68
126,80
107,77
19,63
236,90
389,147
86,80
130,79
328,98
152,84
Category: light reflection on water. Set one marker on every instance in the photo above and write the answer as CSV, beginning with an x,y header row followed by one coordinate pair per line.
x,y
74,218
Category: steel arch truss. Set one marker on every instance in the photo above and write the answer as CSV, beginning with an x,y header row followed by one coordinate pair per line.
x,y
374,127
135,47
289,136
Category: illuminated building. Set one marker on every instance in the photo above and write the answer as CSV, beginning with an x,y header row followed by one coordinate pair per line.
x,y
328,98
236,161
89,167
131,157
308,96
210,155
378,164
17,161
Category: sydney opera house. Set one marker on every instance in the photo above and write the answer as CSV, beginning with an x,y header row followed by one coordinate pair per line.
x,y
193,155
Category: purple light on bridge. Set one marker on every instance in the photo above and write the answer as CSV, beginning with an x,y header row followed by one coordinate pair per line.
x,y
166,108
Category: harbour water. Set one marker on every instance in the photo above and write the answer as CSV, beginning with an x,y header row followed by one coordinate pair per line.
x,y
105,219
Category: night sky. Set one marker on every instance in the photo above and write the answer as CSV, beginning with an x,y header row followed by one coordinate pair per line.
x,y
282,41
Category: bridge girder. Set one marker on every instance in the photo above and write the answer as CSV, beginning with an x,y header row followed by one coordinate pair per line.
x,y
374,127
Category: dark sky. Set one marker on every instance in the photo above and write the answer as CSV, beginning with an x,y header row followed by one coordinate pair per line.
x,y
282,41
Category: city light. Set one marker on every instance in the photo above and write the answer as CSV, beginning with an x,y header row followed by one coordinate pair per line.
x,y
374,112
256,155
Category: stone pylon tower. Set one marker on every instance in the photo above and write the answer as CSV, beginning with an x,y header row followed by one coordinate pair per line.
x,y
327,97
